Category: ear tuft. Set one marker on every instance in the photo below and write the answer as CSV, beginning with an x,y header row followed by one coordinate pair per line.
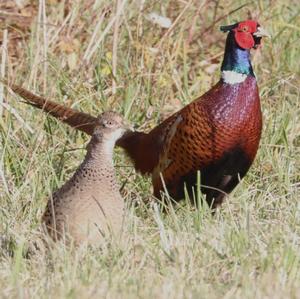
x,y
228,27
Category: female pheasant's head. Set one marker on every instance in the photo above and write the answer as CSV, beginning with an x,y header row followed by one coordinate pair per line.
x,y
109,127
242,37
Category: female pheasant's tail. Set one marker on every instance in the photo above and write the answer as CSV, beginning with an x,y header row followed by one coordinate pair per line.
x,y
74,118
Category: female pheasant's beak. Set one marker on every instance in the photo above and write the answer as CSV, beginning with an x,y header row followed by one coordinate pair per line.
x,y
261,32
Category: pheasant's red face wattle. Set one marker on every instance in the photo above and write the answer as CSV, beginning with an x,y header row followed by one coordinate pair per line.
x,y
244,34
247,34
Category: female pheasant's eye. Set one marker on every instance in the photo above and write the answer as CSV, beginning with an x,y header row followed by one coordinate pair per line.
x,y
109,123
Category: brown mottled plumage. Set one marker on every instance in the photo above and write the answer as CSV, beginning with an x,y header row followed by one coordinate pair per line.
x,y
217,133
89,207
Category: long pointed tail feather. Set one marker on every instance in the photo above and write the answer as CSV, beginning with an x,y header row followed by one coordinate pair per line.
x,y
76,119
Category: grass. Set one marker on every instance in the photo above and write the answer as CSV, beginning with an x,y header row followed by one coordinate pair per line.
x,y
249,249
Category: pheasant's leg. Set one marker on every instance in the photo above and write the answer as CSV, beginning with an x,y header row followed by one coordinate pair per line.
x,y
216,195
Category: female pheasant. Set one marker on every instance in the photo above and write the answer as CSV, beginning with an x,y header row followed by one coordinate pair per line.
x,y
217,134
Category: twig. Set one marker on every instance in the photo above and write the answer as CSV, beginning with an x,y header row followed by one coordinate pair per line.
x,y
102,36
115,46
3,181
55,35
34,66
173,25
97,28
139,24
45,45
3,63
192,27
17,116
223,17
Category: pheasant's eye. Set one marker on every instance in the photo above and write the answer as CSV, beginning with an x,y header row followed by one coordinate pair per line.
x,y
109,124
244,28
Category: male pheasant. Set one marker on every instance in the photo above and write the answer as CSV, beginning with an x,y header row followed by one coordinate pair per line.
x,y
217,134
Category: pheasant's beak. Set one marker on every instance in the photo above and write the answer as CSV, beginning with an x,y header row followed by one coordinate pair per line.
x,y
261,32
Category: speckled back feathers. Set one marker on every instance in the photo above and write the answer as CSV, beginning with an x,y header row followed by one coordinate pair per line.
x,y
89,205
